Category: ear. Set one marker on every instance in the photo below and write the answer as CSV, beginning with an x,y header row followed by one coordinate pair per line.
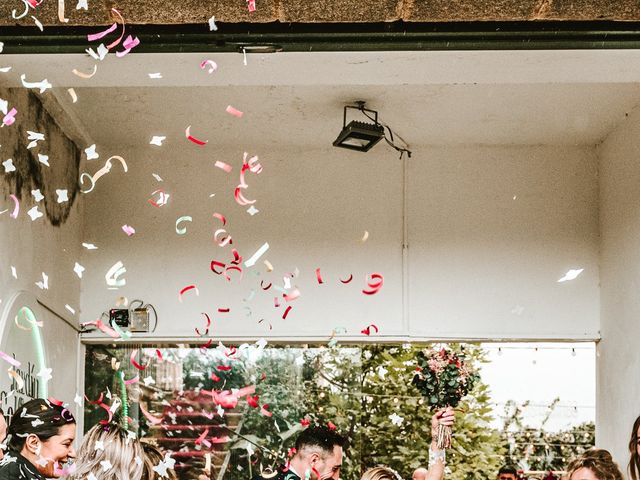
x,y
313,458
33,444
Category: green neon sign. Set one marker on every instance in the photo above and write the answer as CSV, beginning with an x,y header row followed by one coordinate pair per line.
x,y
38,343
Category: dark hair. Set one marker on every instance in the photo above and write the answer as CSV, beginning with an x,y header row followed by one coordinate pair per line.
x,y
51,418
599,461
322,437
508,470
634,461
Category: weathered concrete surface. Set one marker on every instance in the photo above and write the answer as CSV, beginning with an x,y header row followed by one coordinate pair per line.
x,y
193,11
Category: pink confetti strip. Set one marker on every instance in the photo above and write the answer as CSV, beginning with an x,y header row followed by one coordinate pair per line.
x,y
133,380
103,328
129,43
251,5
240,198
202,436
80,74
222,241
213,66
159,354
16,208
220,217
149,417
214,264
223,166
97,36
223,368
186,289
9,359
129,230
290,297
132,358
267,413
9,118
375,284
319,276
187,133
232,111
119,39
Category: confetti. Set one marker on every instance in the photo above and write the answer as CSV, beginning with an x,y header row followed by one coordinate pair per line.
x,y
186,289
34,213
206,328
9,166
256,256
375,284
97,36
129,230
182,230
571,275
129,43
63,195
10,117
78,269
9,359
157,177
157,140
251,5
112,276
14,375
286,312
100,54
232,111
71,309
35,137
132,359
187,133
367,331
14,273
223,166
290,297
82,4
155,75
86,76
37,195
347,280
212,24
267,264
16,208
89,246
213,66
44,159
103,171
162,200
24,14
38,23
252,210
44,284
91,152
365,236
43,85
319,276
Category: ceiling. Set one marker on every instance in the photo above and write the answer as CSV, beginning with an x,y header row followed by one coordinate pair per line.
x,y
296,100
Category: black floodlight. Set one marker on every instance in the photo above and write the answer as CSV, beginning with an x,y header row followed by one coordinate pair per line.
x,y
361,136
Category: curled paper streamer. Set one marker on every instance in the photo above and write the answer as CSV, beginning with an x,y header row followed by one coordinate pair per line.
x,y
375,284
213,66
114,272
42,85
18,379
97,36
367,331
220,217
16,208
132,358
85,75
103,171
187,133
182,230
186,289
9,359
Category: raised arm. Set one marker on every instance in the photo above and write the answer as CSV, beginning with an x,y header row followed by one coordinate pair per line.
x,y
437,458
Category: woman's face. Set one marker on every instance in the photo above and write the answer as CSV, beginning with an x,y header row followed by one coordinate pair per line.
x,y
583,474
57,449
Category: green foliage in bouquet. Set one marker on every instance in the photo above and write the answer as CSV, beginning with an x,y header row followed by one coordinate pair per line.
x,y
443,377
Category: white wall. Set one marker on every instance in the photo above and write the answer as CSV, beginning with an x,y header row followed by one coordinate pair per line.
x,y
480,264
618,396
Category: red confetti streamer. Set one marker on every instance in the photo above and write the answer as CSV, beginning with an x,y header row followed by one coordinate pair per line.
x,y
331,426
276,302
348,279
159,354
267,413
133,360
253,401
186,289
55,402
319,276
231,352
237,258
263,287
374,286
149,417
214,264
194,139
207,327
286,312
305,422
233,268
215,377
206,345
202,436
224,310
223,368
109,412
119,39
220,217
233,111
240,198
223,166
251,5
95,402
367,331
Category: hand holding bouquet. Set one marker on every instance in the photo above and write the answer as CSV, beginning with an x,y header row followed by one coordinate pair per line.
x,y
443,378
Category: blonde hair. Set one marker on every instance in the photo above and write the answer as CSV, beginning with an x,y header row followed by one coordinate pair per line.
x,y
380,473
152,457
599,461
124,453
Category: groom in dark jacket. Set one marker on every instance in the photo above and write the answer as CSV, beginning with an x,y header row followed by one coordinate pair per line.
x,y
318,456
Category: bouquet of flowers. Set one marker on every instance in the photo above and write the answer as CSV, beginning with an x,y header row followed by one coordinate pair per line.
x,y
443,378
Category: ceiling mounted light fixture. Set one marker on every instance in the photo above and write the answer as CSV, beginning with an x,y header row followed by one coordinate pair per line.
x,y
360,136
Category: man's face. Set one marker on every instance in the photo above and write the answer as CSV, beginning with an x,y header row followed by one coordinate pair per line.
x,y
507,476
3,434
329,466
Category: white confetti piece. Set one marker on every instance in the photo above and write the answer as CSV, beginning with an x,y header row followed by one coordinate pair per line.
x,y
44,159
44,284
212,24
43,85
4,106
5,69
34,213
89,246
149,381
78,269
35,137
38,23
70,308
155,75
106,465
571,275
82,4
112,276
254,258
78,400
129,230
63,195
14,273
252,210
72,93
99,445
157,177
37,195
91,152
9,166
35,423
100,54
1,46
45,374
157,140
